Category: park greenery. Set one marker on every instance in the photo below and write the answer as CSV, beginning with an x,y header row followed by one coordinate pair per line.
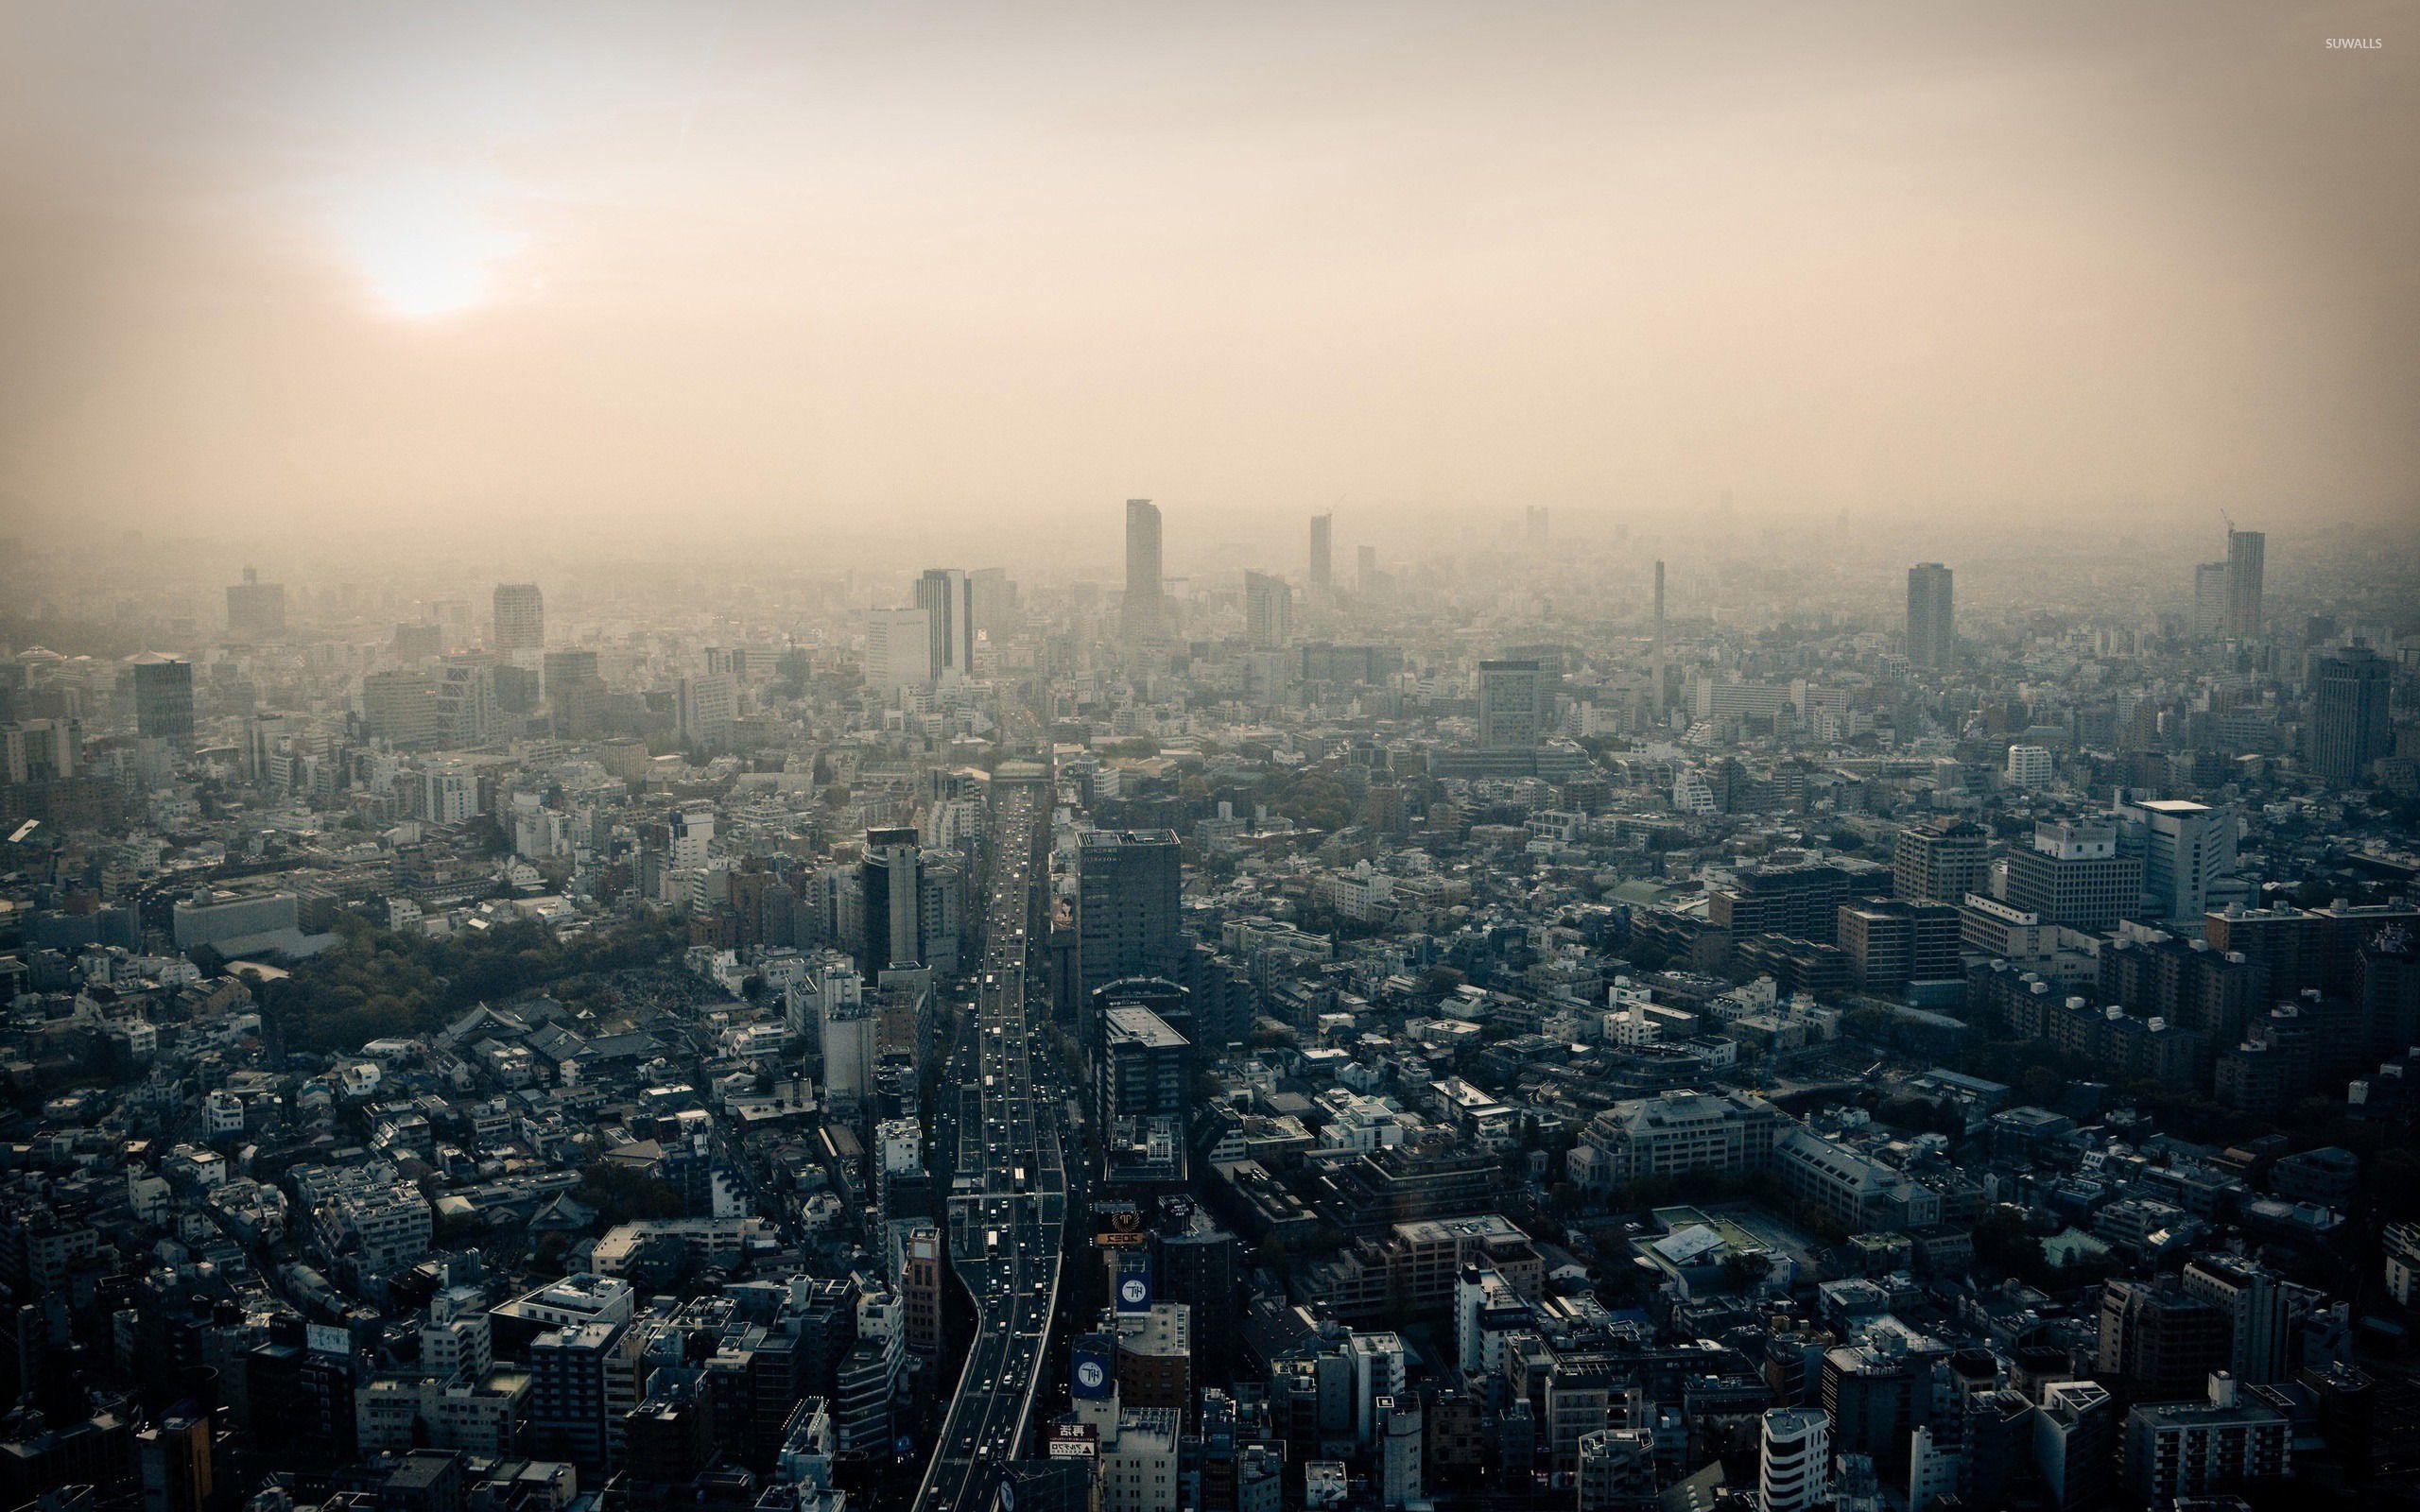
x,y
375,981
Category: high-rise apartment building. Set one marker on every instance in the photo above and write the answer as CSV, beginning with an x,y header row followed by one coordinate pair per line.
x,y
1145,610
583,1383
2193,1453
2030,766
1893,942
1932,626
1143,1067
2262,1316
2075,1431
2349,724
255,610
1940,861
1512,704
947,598
706,705
1268,610
1128,887
899,648
163,698
400,708
520,618
2246,554
1322,553
1798,901
2157,1340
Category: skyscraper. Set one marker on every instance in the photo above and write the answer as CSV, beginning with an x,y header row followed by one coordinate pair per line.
x,y
1268,610
163,698
1365,568
1128,887
2349,727
1931,624
1662,661
889,876
2209,597
520,618
255,610
1145,609
993,595
1512,705
947,598
1323,552
2246,550
1534,527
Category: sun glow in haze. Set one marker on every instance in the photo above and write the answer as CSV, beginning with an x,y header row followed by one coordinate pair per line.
x,y
425,252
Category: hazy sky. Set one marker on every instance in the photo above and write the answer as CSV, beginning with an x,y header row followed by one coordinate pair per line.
x,y
539,263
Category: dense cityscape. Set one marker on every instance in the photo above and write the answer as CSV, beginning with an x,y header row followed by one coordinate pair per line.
x,y
1569,1010
1089,756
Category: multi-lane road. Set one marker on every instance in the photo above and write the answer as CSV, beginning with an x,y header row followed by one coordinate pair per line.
x,y
1008,1207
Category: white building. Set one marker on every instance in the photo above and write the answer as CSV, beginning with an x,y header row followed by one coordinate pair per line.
x,y
693,834
1793,1461
899,649
706,706
2186,849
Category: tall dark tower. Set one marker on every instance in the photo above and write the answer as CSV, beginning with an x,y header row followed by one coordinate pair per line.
x,y
947,598
1323,552
1146,608
2349,727
1129,889
1655,696
520,618
163,698
1932,632
2246,553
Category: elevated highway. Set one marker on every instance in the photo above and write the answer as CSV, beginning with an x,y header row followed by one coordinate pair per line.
x,y
1008,1204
